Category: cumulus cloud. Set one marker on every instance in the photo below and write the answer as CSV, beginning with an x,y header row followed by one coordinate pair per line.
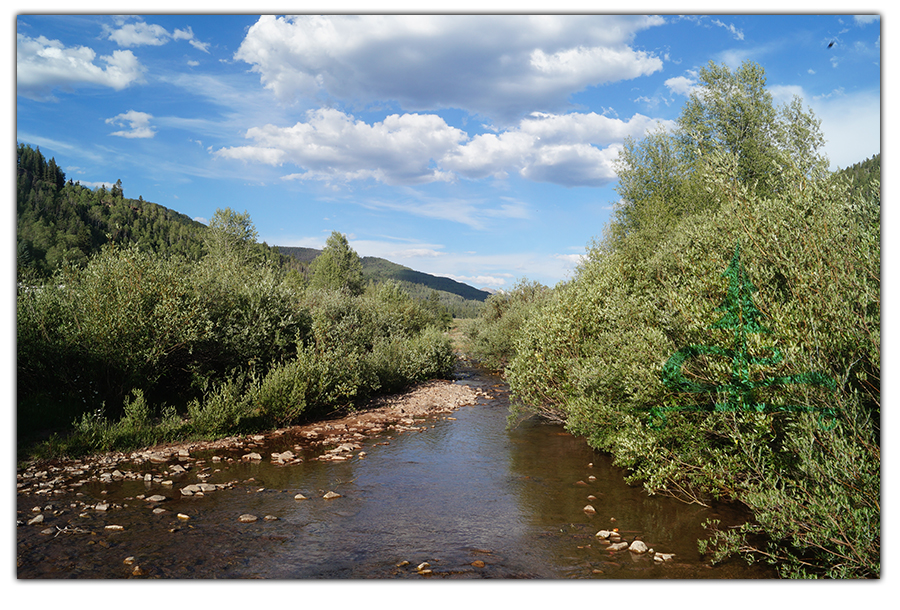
x,y
495,66
138,124
332,145
43,65
576,149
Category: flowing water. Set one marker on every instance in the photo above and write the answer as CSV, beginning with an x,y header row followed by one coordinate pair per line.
x,y
469,496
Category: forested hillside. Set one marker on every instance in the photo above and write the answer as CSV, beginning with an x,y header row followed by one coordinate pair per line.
x,y
61,221
379,269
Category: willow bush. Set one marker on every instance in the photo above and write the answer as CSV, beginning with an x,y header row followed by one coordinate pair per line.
x,y
594,355
231,343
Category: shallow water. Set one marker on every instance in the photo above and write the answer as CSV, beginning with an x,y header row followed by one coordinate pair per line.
x,y
467,490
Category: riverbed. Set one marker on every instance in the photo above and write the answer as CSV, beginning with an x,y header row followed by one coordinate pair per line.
x,y
451,493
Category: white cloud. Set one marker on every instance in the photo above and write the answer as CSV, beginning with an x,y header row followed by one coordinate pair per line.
x,y
138,124
682,85
141,33
495,66
43,65
332,145
738,34
576,149
851,124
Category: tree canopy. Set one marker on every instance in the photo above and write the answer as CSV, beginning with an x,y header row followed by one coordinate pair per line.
x,y
338,267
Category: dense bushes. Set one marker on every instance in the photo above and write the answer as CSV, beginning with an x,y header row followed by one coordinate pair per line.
x,y
491,336
231,343
592,354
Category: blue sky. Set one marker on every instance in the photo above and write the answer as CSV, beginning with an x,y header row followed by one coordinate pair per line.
x,y
475,147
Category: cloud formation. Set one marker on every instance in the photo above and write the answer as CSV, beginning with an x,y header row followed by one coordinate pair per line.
x,y
141,33
506,67
43,65
138,124
575,149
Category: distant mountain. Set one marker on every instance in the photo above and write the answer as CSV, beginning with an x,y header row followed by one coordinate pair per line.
x,y
380,269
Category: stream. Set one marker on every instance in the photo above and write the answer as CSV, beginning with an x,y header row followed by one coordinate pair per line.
x,y
467,495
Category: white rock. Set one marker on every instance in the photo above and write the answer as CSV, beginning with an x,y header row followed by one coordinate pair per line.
x,y
638,546
299,497
589,509
603,534
619,546
331,495
156,498
247,518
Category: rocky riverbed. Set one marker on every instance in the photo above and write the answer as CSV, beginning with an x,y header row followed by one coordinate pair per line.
x,y
167,465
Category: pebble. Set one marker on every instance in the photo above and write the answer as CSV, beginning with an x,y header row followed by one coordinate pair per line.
x,y
618,546
37,520
330,495
300,497
478,563
247,518
589,509
157,498
115,528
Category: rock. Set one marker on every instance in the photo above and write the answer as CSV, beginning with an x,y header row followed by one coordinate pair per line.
x,y
592,478
101,506
638,546
603,534
204,487
478,563
247,518
403,563
300,497
115,528
128,561
661,557
159,511
37,520
137,571
157,498
618,546
589,509
331,495
184,517
48,531
251,457
423,566
270,518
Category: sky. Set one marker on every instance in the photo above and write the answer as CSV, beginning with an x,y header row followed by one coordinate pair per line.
x,y
477,147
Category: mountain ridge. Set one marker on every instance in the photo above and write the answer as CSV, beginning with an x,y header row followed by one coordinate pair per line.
x,y
380,269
